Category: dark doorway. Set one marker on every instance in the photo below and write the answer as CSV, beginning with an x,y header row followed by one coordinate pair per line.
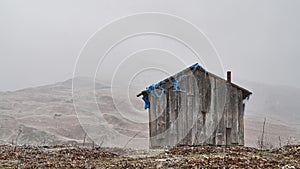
x,y
228,138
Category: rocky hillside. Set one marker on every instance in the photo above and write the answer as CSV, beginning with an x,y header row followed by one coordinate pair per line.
x,y
46,115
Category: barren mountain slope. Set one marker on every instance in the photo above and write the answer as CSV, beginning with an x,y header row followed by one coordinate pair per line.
x,y
46,115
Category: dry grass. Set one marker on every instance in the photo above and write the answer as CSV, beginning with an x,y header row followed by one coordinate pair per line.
x,y
180,157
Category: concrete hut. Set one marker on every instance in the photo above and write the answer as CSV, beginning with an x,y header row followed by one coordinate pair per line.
x,y
195,107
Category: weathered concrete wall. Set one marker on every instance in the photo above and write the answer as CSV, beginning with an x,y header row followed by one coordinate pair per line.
x,y
207,110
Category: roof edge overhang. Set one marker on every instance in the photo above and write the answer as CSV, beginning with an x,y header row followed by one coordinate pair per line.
x,y
196,66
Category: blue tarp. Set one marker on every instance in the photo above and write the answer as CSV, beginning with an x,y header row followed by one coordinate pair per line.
x,y
152,89
147,104
176,86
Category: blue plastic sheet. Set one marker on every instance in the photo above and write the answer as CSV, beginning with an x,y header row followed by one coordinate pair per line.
x,y
162,90
158,91
147,104
150,88
176,86
153,89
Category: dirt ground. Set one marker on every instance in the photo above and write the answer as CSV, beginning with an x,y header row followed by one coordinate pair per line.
x,y
181,157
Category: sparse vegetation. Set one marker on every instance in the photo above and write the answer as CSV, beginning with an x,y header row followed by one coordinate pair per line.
x,y
18,135
180,157
264,143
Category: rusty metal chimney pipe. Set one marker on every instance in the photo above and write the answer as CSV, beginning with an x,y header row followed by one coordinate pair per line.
x,y
229,76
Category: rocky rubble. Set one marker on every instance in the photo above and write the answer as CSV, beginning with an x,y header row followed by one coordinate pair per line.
x,y
179,157
50,157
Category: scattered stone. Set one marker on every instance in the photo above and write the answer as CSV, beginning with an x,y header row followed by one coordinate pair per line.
x,y
27,156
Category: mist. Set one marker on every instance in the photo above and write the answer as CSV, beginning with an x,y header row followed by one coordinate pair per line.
x,y
256,40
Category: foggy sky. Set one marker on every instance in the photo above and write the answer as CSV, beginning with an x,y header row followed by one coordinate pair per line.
x,y
40,41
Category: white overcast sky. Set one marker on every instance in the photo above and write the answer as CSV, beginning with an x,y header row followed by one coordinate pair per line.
x,y
40,40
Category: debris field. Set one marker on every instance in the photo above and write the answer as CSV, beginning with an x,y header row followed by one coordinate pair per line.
x,y
64,156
